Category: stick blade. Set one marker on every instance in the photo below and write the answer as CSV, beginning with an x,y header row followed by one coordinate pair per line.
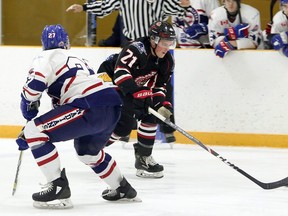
x,y
273,185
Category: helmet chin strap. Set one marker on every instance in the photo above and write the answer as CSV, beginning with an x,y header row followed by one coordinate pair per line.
x,y
154,49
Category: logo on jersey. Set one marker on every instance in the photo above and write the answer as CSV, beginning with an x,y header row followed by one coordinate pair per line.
x,y
105,77
62,119
140,46
225,22
191,16
142,80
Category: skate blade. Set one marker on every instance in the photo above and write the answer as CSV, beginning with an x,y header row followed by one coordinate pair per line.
x,y
171,145
55,204
135,199
145,174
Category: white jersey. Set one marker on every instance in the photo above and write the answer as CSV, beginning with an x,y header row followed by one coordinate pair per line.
x,y
219,21
280,23
204,9
63,75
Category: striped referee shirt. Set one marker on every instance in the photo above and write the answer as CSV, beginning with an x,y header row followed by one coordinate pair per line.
x,y
137,15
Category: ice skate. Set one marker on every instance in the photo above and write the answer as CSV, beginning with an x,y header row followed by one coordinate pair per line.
x,y
170,139
146,166
55,196
123,193
124,141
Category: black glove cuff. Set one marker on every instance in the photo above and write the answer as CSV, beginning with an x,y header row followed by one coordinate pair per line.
x,y
84,7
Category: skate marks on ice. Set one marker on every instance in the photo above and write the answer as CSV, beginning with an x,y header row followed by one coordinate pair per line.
x,y
194,183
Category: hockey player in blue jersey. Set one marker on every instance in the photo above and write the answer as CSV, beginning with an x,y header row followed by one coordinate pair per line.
x,y
85,109
279,30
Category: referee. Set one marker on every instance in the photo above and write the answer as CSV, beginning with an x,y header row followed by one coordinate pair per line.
x,y
137,15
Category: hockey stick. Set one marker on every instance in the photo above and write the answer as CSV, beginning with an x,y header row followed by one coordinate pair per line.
x,y
272,185
17,173
272,3
21,135
32,106
240,15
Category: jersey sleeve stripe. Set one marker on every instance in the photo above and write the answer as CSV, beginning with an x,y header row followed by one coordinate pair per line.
x,y
69,83
30,93
59,71
39,74
122,78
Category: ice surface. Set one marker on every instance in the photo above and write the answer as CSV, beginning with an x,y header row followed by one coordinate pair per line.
x,y
195,182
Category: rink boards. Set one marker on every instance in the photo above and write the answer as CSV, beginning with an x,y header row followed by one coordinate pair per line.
x,y
239,100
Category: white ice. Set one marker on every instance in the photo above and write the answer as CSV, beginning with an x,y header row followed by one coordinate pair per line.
x,y
195,182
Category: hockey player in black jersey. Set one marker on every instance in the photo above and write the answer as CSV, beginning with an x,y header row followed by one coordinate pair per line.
x,y
141,71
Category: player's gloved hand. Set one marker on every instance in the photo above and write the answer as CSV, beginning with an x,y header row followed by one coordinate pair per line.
x,y
239,31
142,99
196,30
29,109
223,48
165,110
21,141
279,40
268,28
285,50
179,22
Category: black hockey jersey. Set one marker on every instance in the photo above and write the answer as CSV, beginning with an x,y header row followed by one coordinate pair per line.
x,y
135,66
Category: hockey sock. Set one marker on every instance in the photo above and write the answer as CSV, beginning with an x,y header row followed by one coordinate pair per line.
x,y
46,156
109,172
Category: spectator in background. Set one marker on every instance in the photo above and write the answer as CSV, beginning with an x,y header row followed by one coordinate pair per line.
x,y
91,28
279,29
234,26
137,15
191,32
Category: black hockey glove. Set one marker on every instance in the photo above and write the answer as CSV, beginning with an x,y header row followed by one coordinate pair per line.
x,y
142,99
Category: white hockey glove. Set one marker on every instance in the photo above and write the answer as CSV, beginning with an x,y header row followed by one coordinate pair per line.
x,y
165,112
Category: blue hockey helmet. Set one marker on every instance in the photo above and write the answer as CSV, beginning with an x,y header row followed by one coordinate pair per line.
x,y
284,2
54,36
